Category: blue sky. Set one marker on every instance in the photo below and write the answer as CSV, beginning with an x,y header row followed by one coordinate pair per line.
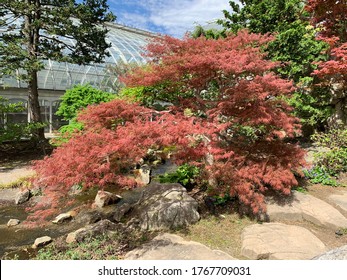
x,y
172,17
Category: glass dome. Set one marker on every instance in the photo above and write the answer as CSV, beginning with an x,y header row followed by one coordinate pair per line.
x,y
126,47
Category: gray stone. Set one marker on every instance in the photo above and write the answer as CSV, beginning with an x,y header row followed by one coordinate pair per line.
x,y
64,217
42,241
165,206
335,254
104,198
89,217
13,222
101,227
275,241
306,207
173,247
22,196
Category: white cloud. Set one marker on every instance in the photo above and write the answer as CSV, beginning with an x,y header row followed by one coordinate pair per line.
x,y
175,16
179,16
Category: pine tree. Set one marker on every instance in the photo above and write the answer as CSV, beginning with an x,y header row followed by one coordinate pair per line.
x,y
37,30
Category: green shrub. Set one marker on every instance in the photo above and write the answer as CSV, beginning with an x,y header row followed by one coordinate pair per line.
x,y
74,100
334,159
185,175
79,97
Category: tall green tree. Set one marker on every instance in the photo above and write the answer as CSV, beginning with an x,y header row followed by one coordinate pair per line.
x,y
295,45
62,30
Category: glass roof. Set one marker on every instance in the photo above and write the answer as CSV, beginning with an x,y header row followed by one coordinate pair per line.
x,y
127,47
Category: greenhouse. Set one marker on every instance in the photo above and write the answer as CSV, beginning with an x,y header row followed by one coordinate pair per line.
x,y
126,47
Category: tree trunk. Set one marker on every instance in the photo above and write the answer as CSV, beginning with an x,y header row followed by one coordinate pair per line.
x,y
32,38
34,106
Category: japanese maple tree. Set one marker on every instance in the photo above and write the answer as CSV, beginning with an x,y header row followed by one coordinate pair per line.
x,y
228,117
229,83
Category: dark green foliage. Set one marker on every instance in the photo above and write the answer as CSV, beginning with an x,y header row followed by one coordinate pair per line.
x,y
186,175
73,101
79,97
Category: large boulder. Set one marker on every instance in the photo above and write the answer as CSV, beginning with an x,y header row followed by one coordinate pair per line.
x,y
164,206
335,254
173,247
275,241
306,207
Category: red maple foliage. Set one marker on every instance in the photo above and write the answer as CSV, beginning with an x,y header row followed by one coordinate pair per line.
x,y
238,131
229,81
330,16
116,136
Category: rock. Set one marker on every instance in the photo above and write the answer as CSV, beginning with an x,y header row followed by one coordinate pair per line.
x,y
104,198
13,222
121,211
173,247
335,254
340,200
22,196
101,227
64,217
42,241
306,207
89,217
143,175
275,241
165,206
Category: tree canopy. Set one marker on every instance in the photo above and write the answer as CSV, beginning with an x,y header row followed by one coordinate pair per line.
x,y
228,118
37,30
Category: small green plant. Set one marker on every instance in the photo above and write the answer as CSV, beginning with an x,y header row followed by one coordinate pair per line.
x,y
186,175
334,159
13,132
300,189
319,175
97,248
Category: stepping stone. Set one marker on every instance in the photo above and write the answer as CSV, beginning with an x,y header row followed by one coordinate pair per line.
x,y
173,247
340,200
307,207
13,222
275,241
41,241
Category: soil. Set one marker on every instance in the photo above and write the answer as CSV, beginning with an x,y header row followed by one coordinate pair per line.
x,y
227,225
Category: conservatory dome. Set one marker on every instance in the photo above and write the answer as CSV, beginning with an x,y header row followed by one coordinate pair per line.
x,y
126,47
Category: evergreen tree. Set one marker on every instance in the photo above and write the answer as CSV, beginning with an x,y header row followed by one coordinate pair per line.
x,y
295,45
62,30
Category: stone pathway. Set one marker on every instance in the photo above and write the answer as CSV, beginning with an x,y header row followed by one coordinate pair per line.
x,y
307,207
12,175
173,247
276,241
